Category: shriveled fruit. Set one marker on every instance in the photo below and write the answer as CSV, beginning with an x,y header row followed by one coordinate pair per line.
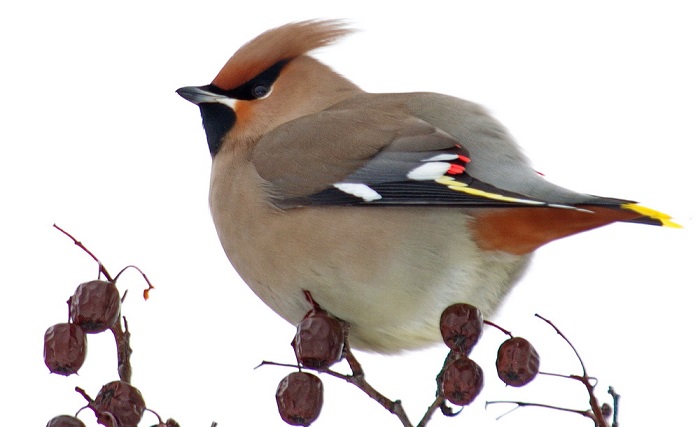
x,y
319,340
65,347
300,398
95,306
461,326
517,362
65,421
123,401
462,381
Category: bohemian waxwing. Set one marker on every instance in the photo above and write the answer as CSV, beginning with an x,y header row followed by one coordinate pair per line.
x,y
386,207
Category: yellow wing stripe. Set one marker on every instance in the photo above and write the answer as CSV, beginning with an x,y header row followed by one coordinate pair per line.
x,y
453,184
663,218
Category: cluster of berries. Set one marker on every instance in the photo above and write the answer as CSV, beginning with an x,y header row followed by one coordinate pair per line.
x,y
461,380
94,307
318,344
320,340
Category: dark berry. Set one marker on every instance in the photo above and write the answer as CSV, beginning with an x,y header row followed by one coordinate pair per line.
x,y
462,381
123,401
517,362
300,398
65,347
95,306
319,340
461,326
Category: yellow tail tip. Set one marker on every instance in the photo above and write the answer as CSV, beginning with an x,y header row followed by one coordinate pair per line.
x,y
663,218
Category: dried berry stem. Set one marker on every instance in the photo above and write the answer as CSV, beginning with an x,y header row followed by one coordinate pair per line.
x,y
311,300
102,417
121,337
148,282
85,395
160,420
505,331
102,268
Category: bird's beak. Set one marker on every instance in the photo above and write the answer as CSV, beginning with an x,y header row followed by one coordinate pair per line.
x,y
198,95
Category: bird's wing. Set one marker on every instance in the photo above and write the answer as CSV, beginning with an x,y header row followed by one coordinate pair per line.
x,y
371,157
386,157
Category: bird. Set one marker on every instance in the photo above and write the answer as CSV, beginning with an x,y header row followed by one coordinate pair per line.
x,y
385,207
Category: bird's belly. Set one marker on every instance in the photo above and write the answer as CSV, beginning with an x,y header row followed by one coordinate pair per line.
x,y
367,266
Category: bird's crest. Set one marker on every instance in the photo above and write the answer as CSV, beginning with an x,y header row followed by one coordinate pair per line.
x,y
275,45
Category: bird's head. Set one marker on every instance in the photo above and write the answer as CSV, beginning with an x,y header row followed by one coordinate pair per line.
x,y
270,81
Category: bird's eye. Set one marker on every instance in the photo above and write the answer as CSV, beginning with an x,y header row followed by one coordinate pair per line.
x,y
260,91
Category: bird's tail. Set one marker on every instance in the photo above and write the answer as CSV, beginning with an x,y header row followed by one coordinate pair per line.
x,y
649,216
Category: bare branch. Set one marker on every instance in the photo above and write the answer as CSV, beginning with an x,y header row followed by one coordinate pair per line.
x,y
102,268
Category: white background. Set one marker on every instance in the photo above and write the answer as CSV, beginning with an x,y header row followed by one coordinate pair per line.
x,y
602,95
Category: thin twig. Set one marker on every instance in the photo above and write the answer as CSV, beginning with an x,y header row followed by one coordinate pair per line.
x,y
586,414
358,380
578,356
287,365
616,405
569,377
102,268
598,416
437,403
